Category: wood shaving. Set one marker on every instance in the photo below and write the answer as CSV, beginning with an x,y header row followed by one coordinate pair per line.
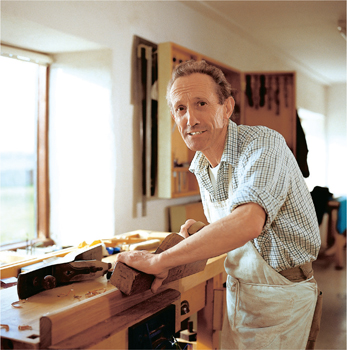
x,y
65,294
95,292
15,304
79,297
6,326
25,328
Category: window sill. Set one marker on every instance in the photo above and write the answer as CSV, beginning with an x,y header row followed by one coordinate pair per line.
x,y
22,245
12,269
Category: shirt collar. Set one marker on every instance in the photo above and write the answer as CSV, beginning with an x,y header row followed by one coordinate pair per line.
x,y
200,162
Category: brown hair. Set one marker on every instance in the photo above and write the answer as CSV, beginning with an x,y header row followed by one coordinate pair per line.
x,y
223,88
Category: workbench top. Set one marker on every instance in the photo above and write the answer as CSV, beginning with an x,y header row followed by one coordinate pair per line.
x,y
30,310
78,296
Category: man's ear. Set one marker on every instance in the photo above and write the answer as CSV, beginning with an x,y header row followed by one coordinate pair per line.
x,y
229,104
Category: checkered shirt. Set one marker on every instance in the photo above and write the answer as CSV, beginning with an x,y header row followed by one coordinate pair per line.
x,y
264,171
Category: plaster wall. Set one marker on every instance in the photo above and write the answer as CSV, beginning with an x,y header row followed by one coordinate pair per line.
x,y
107,200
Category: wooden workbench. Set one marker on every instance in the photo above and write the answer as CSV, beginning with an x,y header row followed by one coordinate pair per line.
x,y
95,315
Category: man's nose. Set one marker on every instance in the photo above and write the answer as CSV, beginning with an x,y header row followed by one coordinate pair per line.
x,y
191,117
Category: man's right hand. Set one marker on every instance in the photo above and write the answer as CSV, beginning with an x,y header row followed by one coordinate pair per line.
x,y
184,228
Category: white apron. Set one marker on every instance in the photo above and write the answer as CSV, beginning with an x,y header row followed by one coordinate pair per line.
x,y
264,309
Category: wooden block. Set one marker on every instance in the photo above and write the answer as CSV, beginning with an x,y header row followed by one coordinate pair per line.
x,y
131,281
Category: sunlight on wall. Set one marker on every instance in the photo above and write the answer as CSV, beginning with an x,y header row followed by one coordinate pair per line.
x,y
314,128
82,166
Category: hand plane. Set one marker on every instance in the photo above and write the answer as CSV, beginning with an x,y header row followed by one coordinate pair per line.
x,y
131,281
77,266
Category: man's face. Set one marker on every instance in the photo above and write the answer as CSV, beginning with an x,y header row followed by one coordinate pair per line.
x,y
200,119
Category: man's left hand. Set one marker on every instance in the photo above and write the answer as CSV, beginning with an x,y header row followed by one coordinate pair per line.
x,y
147,262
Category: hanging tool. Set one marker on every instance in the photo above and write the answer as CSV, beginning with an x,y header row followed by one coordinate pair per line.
x,y
256,91
80,266
249,90
277,96
269,92
262,91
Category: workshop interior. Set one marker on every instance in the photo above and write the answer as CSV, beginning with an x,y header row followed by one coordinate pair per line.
x,y
92,163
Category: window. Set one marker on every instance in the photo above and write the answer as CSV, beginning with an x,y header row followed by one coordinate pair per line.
x,y
24,202
314,128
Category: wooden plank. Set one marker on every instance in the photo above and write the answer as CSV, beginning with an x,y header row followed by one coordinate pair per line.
x,y
131,281
60,325
96,334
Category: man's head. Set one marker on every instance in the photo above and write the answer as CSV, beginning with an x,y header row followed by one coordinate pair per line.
x,y
201,108
223,88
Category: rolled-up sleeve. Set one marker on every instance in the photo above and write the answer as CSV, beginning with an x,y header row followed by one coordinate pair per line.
x,y
262,175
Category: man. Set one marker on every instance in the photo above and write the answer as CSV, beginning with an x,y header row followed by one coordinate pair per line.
x,y
260,213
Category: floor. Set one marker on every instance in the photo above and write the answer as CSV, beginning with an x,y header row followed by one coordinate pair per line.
x,y
332,282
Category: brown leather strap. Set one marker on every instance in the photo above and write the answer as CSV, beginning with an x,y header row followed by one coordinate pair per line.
x,y
299,273
315,326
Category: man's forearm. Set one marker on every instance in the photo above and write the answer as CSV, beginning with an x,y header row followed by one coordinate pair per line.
x,y
243,224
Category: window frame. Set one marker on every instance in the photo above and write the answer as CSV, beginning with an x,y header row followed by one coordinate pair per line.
x,y
42,197
42,176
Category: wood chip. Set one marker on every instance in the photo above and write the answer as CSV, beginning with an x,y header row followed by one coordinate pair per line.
x,y
95,292
25,328
15,304
64,294
6,326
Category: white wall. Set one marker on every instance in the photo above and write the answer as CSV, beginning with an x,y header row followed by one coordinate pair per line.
x,y
337,139
81,144
113,24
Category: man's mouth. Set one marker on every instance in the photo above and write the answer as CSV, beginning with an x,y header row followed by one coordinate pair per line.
x,y
195,133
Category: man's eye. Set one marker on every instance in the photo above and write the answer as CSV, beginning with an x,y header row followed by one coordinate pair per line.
x,y
202,103
179,109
